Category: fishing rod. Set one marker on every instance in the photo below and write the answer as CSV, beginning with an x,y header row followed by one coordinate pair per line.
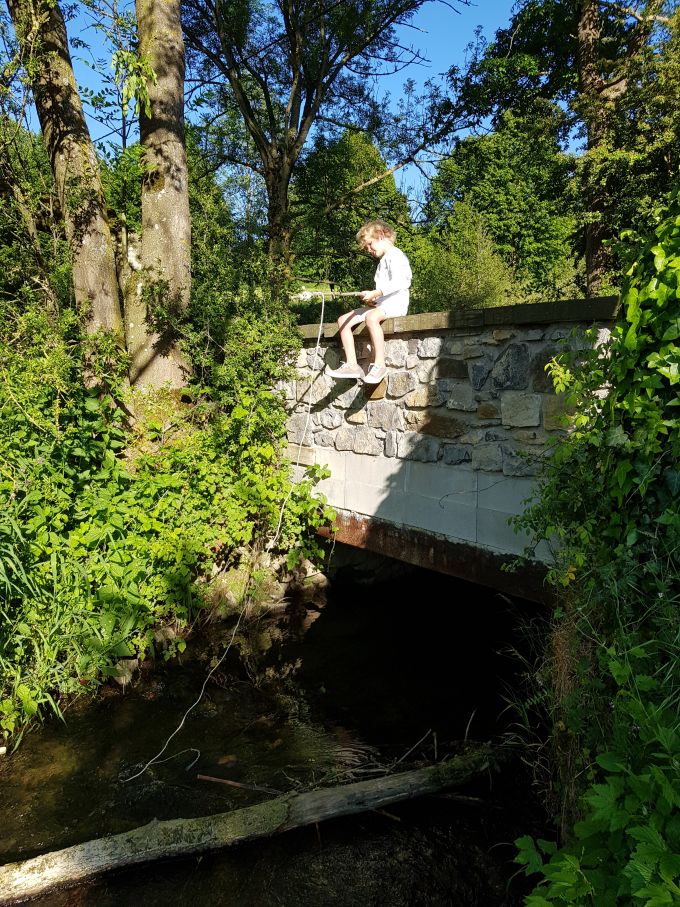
x,y
306,295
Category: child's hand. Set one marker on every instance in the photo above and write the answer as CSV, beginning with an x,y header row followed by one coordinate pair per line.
x,y
370,296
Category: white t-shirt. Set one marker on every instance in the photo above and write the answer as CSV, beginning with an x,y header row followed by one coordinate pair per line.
x,y
393,279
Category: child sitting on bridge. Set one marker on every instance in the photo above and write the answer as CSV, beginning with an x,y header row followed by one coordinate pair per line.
x,y
389,300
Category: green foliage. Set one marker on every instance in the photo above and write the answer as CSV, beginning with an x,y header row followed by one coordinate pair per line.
x,y
520,184
609,504
457,266
33,248
107,531
330,211
621,108
132,75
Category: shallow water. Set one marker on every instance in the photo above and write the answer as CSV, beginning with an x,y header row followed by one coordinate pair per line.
x,y
317,693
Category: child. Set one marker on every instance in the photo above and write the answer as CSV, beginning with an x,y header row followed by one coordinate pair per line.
x,y
388,300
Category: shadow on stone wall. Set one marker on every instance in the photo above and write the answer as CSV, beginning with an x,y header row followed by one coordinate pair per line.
x,y
451,443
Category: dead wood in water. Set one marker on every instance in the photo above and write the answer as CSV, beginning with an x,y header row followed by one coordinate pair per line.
x,y
183,837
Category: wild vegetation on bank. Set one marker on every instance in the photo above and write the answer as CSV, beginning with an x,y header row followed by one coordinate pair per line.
x,y
609,680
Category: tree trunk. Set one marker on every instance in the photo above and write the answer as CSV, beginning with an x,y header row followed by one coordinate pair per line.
x,y
164,282
280,234
41,32
181,837
595,115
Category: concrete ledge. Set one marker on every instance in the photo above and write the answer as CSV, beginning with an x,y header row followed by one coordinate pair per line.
x,y
570,310
434,552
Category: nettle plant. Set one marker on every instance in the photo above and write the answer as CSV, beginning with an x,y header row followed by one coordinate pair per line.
x,y
609,503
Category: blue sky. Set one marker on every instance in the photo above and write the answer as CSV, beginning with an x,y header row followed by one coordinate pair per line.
x,y
443,34
439,31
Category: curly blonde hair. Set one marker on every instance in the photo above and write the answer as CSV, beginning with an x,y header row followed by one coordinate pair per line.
x,y
376,228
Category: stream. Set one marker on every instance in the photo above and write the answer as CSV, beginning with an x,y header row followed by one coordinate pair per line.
x,y
399,671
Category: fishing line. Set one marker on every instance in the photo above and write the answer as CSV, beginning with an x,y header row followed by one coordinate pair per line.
x,y
305,297
155,760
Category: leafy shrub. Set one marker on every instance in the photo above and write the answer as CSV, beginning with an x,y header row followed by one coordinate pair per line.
x,y
610,502
105,529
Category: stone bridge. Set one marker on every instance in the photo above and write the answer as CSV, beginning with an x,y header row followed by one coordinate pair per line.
x,y
430,465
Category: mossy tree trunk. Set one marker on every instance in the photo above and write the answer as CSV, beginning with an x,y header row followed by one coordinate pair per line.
x,y
159,292
41,33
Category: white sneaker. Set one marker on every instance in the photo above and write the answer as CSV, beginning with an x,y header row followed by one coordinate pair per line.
x,y
346,371
375,374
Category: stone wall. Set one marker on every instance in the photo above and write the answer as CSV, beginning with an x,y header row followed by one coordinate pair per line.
x,y
450,443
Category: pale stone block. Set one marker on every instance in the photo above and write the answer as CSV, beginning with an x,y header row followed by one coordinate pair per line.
x,y
429,347
286,389
344,439
315,361
301,361
488,411
297,433
447,517
343,399
474,436
519,410
386,416
500,334
366,442
487,457
415,419
356,416
300,455
412,360
453,346
318,388
324,438
556,412
391,444
401,383
432,480
330,418
518,462
461,396
427,371
371,501
424,396
530,436
396,352
414,446
506,493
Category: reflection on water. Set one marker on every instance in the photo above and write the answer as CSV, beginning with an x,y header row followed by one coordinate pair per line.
x,y
312,695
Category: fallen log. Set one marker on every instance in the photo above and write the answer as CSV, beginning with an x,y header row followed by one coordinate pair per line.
x,y
183,837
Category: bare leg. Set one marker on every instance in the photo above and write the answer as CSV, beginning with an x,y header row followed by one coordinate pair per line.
x,y
345,324
375,332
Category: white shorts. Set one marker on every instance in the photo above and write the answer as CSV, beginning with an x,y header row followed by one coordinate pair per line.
x,y
393,306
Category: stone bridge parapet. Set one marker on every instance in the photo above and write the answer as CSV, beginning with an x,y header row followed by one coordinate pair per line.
x,y
431,464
